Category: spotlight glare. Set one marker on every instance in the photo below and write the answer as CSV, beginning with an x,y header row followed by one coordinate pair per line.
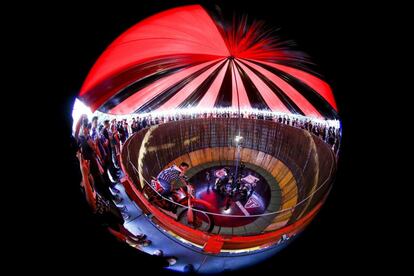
x,y
238,138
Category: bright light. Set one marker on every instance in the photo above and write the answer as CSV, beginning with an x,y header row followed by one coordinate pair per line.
x,y
80,108
228,211
238,138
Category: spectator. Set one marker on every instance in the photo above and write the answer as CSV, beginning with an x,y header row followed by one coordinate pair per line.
x,y
170,260
105,210
133,126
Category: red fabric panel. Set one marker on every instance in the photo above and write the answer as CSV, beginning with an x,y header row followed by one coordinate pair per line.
x,y
315,83
105,90
186,91
182,30
139,98
291,92
238,87
210,97
271,99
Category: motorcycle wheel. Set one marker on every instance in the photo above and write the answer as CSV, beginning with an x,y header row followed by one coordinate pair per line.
x,y
202,221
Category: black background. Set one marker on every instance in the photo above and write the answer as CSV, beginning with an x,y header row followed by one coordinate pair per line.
x,y
344,237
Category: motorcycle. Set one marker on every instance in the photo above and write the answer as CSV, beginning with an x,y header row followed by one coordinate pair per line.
x,y
182,205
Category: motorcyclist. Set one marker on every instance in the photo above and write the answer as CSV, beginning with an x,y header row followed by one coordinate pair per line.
x,y
222,179
169,177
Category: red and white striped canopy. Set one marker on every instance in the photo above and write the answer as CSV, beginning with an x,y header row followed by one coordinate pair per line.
x,y
182,58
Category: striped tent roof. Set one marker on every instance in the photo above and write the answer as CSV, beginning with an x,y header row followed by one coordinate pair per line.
x,y
182,58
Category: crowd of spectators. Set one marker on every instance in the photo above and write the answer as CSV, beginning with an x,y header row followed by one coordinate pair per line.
x,y
98,148
99,142
328,133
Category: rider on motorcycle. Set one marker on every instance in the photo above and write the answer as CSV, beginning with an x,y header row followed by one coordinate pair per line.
x,y
170,176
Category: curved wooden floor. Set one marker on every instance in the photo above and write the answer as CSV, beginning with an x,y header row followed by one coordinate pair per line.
x,y
273,166
268,145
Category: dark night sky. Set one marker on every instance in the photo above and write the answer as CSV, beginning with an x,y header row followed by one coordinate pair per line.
x,y
336,37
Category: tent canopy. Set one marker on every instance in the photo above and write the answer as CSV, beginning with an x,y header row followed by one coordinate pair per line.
x,y
182,58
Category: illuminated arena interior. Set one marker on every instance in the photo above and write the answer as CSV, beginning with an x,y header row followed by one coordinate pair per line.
x,y
294,168
260,136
